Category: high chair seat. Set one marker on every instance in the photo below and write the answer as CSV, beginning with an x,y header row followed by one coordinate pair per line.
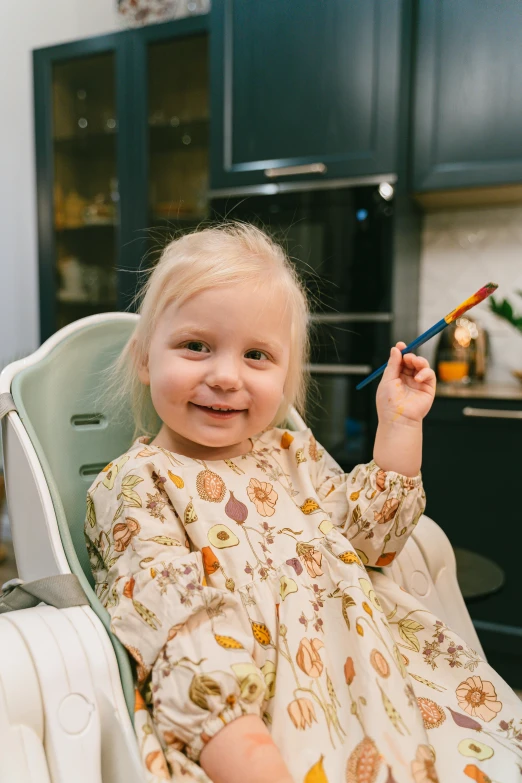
x,y
58,434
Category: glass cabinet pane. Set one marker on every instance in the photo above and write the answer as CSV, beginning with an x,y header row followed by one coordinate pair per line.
x,y
85,186
178,118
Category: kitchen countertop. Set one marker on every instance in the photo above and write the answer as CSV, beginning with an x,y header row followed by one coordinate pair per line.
x,y
491,391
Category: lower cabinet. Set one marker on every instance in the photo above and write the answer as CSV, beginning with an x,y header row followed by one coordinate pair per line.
x,y
472,470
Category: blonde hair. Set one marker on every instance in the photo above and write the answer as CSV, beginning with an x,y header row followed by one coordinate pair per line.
x,y
223,255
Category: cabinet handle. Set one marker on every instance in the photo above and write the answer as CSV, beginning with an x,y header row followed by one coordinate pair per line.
x,y
345,318
340,369
288,171
491,413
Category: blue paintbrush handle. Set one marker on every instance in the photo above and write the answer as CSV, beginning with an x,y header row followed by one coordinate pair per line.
x,y
411,347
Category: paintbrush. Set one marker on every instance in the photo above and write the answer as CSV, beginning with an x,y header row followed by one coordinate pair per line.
x,y
481,294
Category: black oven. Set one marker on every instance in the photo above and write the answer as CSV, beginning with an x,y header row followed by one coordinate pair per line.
x,y
341,240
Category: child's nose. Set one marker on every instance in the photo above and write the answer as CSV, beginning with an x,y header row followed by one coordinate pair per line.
x,y
225,374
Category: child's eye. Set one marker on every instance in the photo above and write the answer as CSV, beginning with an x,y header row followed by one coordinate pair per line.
x,y
196,346
257,355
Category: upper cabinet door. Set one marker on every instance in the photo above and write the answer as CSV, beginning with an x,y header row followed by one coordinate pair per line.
x,y
172,111
310,86
82,132
468,98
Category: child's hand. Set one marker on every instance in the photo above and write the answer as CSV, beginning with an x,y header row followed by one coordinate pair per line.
x,y
407,388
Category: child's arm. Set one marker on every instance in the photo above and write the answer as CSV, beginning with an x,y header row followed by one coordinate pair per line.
x,y
244,751
377,505
190,635
404,397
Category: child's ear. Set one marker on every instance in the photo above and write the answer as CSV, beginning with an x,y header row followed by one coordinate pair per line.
x,y
143,374
141,362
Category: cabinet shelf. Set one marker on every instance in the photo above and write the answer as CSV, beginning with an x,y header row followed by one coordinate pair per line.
x,y
186,135
77,304
71,230
164,221
87,144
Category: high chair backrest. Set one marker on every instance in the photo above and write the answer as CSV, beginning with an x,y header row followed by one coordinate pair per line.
x,y
69,422
62,435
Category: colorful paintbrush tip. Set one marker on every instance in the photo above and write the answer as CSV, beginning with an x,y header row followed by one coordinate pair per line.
x,y
481,294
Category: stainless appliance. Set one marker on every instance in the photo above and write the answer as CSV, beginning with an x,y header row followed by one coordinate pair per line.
x,y
462,352
341,240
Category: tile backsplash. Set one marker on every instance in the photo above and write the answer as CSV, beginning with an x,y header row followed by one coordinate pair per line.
x,y
461,251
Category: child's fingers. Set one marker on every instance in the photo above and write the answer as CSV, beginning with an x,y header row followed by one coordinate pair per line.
x,y
394,365
426,375
414,362
421,362
408,363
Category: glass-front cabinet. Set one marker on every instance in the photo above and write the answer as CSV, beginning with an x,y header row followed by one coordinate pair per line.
x,y
122,134
171,99
85,192
178,118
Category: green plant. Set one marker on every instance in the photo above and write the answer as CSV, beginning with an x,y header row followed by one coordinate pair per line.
x,y
504,310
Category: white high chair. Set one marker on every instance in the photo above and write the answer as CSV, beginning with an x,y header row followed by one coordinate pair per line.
x,y
66,684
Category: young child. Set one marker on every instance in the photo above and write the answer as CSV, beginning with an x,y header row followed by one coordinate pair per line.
x,y
232,553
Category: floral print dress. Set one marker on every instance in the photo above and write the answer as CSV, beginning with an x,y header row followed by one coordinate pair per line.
x,y
248,586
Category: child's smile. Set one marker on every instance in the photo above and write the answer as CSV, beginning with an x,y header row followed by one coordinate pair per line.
x,y
217,367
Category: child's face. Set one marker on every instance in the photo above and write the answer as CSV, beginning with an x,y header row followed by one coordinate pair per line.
x,y
224,347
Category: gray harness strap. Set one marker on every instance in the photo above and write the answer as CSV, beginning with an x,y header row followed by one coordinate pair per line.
x,y
60,591
7,404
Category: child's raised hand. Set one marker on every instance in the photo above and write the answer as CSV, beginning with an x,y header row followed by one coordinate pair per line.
x,y
406,391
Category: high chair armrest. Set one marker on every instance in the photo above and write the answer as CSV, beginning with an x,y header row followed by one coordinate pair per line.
x,y
427,569
61,701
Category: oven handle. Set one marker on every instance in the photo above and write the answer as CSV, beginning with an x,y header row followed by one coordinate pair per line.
x,y
491,413
289,171
340,369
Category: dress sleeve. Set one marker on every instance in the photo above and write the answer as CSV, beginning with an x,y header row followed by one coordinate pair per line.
x,y
374,509
191,636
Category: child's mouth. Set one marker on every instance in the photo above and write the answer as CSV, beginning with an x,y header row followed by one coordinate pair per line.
x,y
217,414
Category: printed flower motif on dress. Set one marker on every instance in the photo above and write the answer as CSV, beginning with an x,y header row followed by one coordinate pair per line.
x,y
302,713
478,698
263,496
308,658
155,504
457,655
311,558
423,766
317,602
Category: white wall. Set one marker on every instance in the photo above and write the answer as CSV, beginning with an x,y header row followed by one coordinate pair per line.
x,y
26,25
463,250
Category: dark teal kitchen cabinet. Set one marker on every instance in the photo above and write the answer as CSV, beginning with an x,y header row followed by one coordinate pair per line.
x,y
467,94
471,469
121,129
306,90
